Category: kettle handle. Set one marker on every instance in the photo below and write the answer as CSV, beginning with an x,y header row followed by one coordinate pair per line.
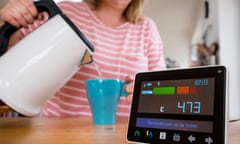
x,y
7,29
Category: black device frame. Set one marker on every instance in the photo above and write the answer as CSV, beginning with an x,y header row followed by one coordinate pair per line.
x,y
218,118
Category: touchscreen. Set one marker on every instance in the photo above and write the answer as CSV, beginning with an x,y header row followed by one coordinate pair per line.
x,y
181,110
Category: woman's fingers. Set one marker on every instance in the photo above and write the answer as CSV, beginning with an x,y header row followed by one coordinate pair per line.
x,y
129,88
19,12
8,17
29,10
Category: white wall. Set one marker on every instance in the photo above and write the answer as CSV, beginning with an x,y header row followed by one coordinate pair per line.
x,y
229,34
176,22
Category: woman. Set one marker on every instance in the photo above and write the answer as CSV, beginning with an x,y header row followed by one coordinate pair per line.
x,y
125,43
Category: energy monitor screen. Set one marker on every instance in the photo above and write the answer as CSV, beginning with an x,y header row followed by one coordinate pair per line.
x,y
183,96
179,106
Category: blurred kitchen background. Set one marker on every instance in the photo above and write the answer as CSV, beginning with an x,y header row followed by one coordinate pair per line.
x,y
200,32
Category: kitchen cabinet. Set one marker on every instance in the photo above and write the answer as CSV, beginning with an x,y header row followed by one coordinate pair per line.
x,y
229,38
223,26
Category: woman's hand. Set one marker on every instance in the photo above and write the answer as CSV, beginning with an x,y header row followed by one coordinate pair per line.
x,y
19,13
129,88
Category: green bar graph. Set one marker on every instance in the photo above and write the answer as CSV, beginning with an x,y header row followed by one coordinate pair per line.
x,y
164,90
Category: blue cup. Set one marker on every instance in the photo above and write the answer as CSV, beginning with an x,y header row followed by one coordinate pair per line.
x,y
103,96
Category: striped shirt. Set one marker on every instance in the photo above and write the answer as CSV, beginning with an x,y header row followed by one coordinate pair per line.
x,y
118,52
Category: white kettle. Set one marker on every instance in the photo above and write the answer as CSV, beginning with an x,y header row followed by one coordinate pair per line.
x,y
41,63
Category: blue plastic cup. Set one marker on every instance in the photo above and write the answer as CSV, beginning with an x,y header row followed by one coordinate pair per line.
x,y
103,96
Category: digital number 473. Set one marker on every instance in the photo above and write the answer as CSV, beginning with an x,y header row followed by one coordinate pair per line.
x,y
189,107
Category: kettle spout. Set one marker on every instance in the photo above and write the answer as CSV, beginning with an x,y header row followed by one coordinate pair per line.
x,y
87,58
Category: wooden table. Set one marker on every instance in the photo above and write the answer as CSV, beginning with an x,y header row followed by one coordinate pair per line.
x,y
71,131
